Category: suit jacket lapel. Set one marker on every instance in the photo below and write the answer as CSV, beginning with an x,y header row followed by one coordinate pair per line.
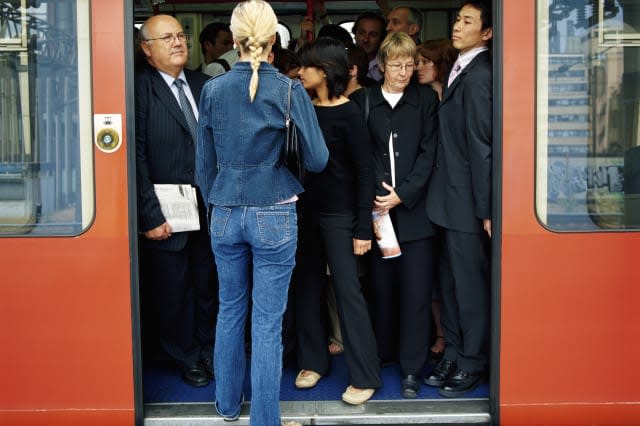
x,y
164,93
449,90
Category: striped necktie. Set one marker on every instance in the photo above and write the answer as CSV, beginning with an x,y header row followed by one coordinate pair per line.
x,y
185,105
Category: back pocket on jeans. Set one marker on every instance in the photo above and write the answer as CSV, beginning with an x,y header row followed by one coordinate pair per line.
x,y
273,227
219,220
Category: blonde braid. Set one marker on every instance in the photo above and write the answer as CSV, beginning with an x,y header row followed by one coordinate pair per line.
x,y
253,23
256,55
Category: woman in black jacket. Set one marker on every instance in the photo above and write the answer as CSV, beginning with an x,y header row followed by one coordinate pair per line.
x,y
402,125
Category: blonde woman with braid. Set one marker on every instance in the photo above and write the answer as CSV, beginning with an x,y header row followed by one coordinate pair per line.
x,y
250,198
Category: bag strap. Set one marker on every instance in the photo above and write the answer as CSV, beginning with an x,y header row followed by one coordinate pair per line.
x,y
287,118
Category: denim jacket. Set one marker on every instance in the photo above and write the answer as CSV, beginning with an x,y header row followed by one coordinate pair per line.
x,y
240,142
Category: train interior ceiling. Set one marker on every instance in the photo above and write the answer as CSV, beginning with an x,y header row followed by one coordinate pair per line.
x,y
167,399
438,15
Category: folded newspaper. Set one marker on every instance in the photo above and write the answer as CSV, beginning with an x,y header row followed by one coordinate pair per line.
x,y
385,235
179,206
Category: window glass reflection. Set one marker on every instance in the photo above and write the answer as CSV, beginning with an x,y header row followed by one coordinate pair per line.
x,y
46,185
588,153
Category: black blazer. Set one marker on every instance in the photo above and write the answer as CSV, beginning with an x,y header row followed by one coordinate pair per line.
x,y
459,195
165,151
413,125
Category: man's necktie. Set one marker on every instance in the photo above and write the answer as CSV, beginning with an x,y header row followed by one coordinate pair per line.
x,y
454,73
185,105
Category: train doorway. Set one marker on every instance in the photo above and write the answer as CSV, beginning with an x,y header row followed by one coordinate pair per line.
x,y
161,396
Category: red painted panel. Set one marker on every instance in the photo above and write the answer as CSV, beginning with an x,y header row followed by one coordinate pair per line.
x,y
65,305
71,417
570,327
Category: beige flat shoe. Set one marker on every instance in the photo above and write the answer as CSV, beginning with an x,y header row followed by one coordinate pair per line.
x,y
307,379
291,423
355,396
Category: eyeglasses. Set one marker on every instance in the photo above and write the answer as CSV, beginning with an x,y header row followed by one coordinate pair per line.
x,y
398,67
168,38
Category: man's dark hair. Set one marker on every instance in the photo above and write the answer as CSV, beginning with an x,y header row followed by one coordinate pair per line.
x,y
415,16
485,11
330,56
210,32
336,32
374,17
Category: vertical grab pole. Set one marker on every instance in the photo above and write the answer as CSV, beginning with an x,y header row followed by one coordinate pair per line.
x,y
310,34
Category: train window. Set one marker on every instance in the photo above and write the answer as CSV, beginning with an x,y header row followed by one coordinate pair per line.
x,y
46,153
588,115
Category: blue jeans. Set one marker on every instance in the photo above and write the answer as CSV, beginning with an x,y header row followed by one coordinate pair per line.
x,y
268,235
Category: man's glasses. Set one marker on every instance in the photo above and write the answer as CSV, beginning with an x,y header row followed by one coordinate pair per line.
x,y
395,67
168,38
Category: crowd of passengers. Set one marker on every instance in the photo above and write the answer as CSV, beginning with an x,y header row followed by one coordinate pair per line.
x,y
388,126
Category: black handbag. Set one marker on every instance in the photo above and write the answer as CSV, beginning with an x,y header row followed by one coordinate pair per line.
x,y
291,154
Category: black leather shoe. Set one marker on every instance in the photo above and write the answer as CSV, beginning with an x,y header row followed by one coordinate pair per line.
x,y
410,386
460,383
207,365
195,375
441,373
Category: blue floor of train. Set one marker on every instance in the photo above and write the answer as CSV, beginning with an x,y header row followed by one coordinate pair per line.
x,y
162,384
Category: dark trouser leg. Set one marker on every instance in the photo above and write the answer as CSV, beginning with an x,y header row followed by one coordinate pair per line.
x,y
415,277
174,300
204,279
357,333
385,305
310,300
465,295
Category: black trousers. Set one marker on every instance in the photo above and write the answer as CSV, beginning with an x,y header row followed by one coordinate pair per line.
x,y
328,239
464,280
400,293
180,298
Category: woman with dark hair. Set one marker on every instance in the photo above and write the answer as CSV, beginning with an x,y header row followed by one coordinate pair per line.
x,y
358,68
336,229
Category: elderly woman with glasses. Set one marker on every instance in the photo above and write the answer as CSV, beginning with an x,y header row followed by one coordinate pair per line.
x,y
402,125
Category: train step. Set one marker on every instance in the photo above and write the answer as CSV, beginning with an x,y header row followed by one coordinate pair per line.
x,y
389,412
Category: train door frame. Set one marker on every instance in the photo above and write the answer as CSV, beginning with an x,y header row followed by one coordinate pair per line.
x,y
138,391
496,211
497,179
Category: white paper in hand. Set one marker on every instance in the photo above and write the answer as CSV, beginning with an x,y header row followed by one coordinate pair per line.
x,y
385,235
179,206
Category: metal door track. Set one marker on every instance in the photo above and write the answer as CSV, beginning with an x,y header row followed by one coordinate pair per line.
x,y
390,412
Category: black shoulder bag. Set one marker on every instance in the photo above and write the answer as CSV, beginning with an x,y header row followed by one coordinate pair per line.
x,y
291,154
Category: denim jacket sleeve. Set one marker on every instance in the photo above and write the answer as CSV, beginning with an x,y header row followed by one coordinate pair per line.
x,y
314,149
206,160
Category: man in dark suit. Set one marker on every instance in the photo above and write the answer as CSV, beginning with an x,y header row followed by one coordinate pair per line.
x,y
459,202
178,273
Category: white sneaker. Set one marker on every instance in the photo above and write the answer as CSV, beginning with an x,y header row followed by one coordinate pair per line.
x,y
291,423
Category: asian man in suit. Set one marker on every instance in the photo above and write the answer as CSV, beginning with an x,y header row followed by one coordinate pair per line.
x,y
178,275
459,202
